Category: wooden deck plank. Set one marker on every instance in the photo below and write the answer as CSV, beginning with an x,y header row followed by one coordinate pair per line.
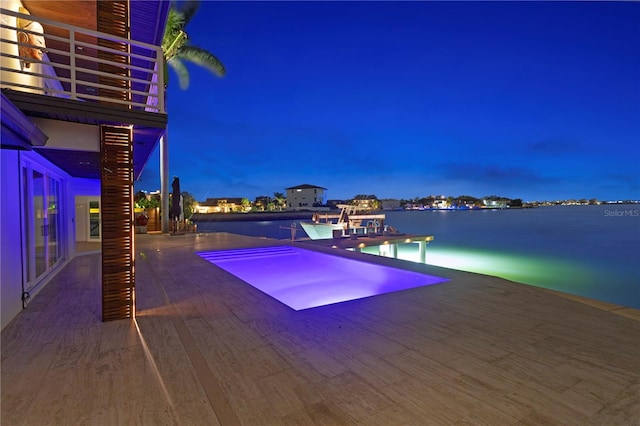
x,y
214,350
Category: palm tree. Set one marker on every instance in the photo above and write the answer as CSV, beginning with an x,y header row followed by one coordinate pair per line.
x,y
279,199
176,49
188,203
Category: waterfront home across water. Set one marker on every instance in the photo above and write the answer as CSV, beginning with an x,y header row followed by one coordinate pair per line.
x,y
305,196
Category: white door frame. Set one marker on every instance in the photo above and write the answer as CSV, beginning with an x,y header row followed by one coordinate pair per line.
x,y
42,205
97,224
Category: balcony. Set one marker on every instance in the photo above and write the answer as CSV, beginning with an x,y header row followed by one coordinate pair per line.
x,y
47,57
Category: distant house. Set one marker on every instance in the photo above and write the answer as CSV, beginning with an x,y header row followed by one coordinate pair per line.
x,y
305,196
262,202
220,205
366,202
440,204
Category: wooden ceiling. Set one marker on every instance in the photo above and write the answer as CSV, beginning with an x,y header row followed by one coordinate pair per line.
x,y
147,18
81,13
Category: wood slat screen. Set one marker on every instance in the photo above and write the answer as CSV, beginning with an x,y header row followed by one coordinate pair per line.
x,y
118,274
154,219
113,18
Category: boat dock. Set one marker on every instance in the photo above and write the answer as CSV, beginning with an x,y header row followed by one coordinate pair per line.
x,y
357,242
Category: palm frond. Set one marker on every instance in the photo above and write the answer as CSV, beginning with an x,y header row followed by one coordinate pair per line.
x,y
189,8
176,48
181,70
203,58
175,25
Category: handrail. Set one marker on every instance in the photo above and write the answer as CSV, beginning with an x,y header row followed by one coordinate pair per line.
x,y
74,73
79,29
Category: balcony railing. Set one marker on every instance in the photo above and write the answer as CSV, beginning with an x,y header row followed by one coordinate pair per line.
x,y
79,64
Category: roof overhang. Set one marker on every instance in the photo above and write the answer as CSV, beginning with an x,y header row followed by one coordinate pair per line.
x,y
148,127
18,131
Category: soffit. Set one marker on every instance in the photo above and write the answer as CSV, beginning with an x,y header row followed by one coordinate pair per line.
x,y
147,127
18,131
86,164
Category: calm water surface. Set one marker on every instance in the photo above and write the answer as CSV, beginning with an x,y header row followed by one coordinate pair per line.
x,y
591,251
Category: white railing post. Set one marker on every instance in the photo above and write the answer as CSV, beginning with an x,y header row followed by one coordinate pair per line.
x,y
161,88
72,62
164,181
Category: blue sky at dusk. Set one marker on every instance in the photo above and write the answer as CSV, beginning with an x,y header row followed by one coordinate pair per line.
x,y
532,100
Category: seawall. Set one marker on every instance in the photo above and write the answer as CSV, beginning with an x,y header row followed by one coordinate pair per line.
x,y
255,216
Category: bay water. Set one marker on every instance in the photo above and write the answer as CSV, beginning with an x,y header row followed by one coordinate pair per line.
x,y
590,251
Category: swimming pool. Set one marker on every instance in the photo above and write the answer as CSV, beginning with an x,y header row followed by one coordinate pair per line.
x,y
303,279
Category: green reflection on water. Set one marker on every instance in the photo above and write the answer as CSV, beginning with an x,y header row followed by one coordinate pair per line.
x,y
539,271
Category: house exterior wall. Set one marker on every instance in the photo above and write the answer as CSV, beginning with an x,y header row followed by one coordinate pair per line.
x,y
221,205
208,209
66,135
301,198
10,244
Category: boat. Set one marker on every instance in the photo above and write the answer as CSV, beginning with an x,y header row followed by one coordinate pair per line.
x,y
351,220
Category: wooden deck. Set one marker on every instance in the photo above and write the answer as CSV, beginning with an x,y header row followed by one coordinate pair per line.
x,y
208,349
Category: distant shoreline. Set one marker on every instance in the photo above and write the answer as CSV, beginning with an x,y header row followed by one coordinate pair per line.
x,y
308,214
251,217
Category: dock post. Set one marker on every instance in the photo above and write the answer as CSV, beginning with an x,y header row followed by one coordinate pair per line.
x,y
394,251
422,251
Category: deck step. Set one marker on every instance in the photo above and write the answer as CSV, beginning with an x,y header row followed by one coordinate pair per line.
x,y
242,254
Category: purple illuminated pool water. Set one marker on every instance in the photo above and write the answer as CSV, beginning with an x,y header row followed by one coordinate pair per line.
x,y
303,279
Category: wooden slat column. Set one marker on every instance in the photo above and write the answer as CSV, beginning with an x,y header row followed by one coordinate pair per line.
x,y
113,18
118,275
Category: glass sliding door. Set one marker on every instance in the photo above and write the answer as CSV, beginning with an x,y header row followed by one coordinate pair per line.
x,y
39,222
53,222
42,219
